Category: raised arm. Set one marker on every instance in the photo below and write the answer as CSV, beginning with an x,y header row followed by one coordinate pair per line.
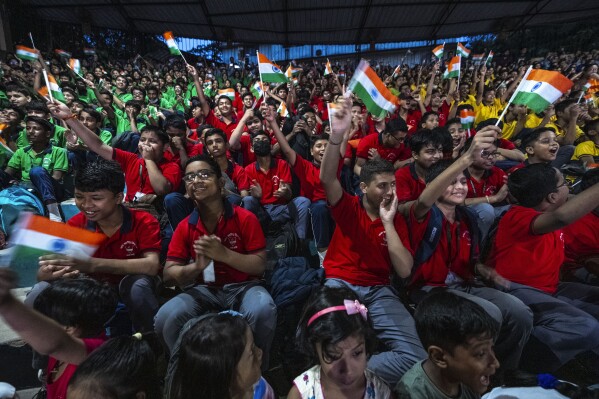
x,y
42,333
196,81
284,146
431,83
435,189
481,85
89,138
235,139
340,124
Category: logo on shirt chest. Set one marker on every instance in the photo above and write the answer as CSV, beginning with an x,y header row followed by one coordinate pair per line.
x,y
232,241
383,238
130,248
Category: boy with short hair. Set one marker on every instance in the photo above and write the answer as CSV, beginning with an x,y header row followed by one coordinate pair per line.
x,y
458,336
528,252
388,145
40,164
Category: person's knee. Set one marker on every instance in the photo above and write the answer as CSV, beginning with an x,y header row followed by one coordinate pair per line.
x,y
520,316
133,286
301,203
319,209
37,172
486,213
250,202
172,200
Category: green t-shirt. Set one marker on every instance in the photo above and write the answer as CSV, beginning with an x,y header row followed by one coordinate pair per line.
x,y
123,123
52,158
89,97
415,384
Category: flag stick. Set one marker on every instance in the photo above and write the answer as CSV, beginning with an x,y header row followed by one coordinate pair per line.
x,y
580,97
513,95
31,37
260,74
47,84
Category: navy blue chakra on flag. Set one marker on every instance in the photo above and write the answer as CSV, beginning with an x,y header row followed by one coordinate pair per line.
x,y
535,87
276,70
374,93
58,245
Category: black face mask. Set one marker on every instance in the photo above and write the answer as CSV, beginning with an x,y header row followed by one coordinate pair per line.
x,y
261,148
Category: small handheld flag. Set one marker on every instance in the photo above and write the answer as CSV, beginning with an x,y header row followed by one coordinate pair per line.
x,y
368,86
26,53
477,58
453,68
257,90
489,58
282,110
467,118
462,50
62,53
170,42
539,89
269,71
396,72
51,89
438,51
227,92
328,70
75,65
35,235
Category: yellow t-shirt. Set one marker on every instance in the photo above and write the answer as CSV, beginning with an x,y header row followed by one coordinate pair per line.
x,y
484,112
508,129
471,100
559,131
585,148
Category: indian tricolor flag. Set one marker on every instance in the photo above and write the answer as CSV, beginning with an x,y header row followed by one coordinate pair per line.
x,y
257,90
462,50
34,236
292,71
539,89
53,88
269,71
453,68
328,69
282,110
438,51
586,86
467,118
62,53
75,65
26,53
372,91
489,58
227,92
89,51
170,42
396,71
477,58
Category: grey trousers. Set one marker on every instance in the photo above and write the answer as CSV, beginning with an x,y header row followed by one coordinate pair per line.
x,y
253,301
514,317
393,325
565,323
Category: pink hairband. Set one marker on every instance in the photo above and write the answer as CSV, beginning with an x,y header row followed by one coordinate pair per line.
x,y
351,307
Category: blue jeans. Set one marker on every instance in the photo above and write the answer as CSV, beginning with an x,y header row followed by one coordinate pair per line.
x,y
393,325
283,213
323,224
250,299
49,188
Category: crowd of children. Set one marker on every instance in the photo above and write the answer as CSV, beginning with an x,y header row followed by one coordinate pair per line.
x,y
476,227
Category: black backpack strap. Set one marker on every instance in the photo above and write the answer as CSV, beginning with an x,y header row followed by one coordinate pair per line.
x,y
487,242
472,221
431,238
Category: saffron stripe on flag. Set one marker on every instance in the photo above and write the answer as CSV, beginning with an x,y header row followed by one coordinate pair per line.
x,y
555,79
67,232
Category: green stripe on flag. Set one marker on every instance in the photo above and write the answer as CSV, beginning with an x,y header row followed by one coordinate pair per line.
x,y
532,100
274,77
369,102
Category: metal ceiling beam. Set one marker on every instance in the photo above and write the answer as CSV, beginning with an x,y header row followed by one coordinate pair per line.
x,y
208,19
443,16
128,20
286,22
532,12
367,5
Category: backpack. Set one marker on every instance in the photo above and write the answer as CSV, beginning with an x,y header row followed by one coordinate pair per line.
x,y
489,240
126,141
281,242
434,230
13,201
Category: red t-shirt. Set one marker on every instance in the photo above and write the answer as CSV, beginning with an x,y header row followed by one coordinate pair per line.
x,y
139,233
228,128
408,185
58,389
581,238
309,177
191,149
136,174
238,229
358,251
489,184
526,258
443,112
270,179
238,176
390,154
452,252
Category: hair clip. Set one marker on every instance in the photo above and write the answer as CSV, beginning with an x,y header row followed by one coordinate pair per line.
x,y
351,307
231,312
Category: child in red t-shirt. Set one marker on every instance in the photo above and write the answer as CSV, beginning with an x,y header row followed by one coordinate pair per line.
x,y
67,324
528,251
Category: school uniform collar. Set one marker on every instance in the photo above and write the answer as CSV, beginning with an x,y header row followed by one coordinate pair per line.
x,y
272,164
486,173
126,226
47,150
194,217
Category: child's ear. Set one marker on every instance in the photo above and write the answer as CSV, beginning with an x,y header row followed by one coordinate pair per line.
x,y
119,198
552,197
529,150
438,356
363,187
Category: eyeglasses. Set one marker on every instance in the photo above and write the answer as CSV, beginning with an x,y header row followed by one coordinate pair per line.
x,y
398,139
203,175
489,155
565,183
